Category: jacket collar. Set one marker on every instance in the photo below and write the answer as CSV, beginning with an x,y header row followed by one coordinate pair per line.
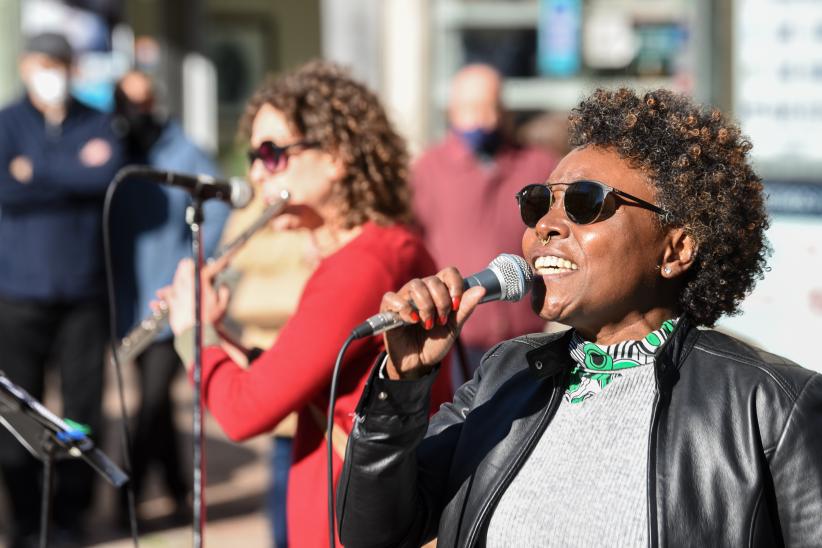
x,y
553,357
672,354
73,107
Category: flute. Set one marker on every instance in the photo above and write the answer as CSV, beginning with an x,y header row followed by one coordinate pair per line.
x,y
144,333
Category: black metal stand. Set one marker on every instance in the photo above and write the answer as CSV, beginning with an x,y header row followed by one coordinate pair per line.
x,y
49,449
194,218
49,438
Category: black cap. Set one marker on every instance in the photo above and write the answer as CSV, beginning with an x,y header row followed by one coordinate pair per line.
x,y
52,44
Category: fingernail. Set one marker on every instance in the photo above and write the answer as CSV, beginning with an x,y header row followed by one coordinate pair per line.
x,y
415,317
443,320
455,302
429,323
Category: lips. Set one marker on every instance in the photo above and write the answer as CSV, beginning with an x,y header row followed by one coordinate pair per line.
x,y
551,264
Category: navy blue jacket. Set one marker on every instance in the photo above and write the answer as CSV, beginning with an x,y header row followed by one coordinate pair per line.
x,y
149,232
50,224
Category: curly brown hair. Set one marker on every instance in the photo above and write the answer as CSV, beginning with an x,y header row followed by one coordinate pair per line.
x,y
325,105
698,161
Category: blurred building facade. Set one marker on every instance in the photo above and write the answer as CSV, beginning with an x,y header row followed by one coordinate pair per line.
x,y
212,53
761,60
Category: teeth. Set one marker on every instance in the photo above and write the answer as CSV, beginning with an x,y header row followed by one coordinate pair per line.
x,y
554,264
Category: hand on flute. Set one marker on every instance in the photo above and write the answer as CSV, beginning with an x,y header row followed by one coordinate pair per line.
x,y
179,296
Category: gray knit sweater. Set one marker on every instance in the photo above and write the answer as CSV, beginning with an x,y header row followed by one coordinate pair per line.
x,y
585,482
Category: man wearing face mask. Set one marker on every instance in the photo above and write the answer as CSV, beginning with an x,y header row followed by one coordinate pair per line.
x,y
57,157
464,191
150,237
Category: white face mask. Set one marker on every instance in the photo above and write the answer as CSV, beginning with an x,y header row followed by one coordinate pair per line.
x,y
49,86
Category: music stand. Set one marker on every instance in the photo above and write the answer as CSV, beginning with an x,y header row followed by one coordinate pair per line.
x,y
49,438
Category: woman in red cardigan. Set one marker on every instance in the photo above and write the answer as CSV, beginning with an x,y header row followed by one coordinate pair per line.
x,y
326,140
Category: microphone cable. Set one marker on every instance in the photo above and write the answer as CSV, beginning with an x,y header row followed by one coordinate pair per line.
x,y
329,427
125,437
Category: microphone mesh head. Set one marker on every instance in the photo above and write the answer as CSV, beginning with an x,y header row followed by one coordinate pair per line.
x,y
516,276
241,192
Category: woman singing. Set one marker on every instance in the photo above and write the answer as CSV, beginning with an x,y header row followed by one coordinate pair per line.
x,y
326,140
636,427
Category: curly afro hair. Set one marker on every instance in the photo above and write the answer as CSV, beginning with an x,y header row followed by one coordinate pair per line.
x,y
325,105
698,161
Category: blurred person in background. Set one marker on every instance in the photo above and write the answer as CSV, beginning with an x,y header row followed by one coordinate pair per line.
x,y
58,157
324,138
267,276
463,190
150,237
548,131
638,426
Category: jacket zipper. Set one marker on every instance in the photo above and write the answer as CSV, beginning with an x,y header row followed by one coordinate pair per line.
x,y
653,541
550,410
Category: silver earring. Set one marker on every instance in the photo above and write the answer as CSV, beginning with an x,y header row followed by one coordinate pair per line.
x,y
667,270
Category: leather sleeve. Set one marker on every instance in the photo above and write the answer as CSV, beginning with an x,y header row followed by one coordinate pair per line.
x,y
394,477
796,466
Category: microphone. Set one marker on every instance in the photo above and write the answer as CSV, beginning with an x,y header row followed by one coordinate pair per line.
x,y
235,191
507,278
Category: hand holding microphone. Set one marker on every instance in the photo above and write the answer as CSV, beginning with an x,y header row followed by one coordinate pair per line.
x,y
421,321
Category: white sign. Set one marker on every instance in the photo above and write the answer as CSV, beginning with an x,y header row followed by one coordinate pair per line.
x,y
777,59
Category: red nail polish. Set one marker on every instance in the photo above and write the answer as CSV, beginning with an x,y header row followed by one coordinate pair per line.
x,y
415,317
443,320
429,323
455,302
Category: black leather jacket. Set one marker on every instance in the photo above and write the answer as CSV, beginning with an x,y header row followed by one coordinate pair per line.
x,y
735,447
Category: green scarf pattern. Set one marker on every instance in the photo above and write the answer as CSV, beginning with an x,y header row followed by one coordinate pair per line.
x,y
597,366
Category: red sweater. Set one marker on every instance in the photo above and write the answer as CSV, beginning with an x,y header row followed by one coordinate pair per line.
x,y
346,288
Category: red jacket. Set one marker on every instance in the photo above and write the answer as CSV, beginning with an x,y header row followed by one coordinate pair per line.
x,y
295,373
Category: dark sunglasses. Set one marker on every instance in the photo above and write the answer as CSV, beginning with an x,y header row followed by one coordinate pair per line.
x,y
275,157
584,202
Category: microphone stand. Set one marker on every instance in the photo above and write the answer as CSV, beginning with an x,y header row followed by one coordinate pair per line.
x,y
194,219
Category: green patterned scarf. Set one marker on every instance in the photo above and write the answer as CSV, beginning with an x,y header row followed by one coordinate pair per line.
x,y
597,366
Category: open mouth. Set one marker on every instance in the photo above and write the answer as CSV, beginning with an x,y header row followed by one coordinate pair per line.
x,y
551,264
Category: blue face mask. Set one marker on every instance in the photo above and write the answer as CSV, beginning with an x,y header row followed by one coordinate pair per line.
x,y
482,142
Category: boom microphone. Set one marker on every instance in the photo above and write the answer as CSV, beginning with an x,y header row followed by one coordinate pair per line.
x,y
235,191
507,278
